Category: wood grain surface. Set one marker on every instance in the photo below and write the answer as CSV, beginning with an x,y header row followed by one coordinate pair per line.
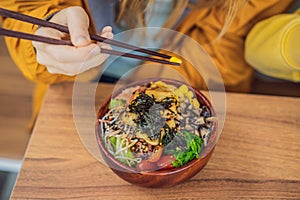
x,y
257,156
15,107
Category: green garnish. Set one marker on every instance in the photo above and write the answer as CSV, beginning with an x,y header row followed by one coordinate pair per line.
x,y
188,147
115,103
117,146
113,141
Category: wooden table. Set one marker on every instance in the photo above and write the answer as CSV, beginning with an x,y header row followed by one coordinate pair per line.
x,y
257,156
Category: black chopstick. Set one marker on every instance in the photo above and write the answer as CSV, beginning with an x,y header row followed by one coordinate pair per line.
x,y
32,37
43,23
54,41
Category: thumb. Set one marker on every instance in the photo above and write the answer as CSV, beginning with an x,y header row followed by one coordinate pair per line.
x,y
78,24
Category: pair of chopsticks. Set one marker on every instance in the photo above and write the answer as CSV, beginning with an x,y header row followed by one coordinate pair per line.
x,y
18,16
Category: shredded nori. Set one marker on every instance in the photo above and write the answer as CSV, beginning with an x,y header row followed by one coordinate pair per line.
x,y
149,115
169,134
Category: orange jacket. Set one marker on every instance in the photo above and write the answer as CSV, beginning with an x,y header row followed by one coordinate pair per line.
x,y
228,53
202,25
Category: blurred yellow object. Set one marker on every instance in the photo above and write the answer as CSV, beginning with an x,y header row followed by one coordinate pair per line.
x,y
273,47
175,59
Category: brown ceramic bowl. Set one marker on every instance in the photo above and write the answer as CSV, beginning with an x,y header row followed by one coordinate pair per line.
x,y
158,178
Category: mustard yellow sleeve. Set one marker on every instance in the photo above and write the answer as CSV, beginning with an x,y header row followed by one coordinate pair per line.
x,y
22,51
273,47
227,53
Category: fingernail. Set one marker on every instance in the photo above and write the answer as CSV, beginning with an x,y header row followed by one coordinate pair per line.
x,y
81,41
110,35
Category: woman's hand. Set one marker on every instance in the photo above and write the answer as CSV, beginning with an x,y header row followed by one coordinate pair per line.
x,y
71,60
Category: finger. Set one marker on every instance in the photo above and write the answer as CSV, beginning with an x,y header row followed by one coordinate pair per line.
x,y
106,29
47,32
65,54
77,21
55,67
107,32
93,62
78,24
70,68
52,66
67,69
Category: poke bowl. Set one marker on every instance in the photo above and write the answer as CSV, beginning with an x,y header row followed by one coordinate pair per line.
x,y
156,132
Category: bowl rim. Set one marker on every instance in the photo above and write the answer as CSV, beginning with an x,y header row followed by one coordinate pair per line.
x,y
203,154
